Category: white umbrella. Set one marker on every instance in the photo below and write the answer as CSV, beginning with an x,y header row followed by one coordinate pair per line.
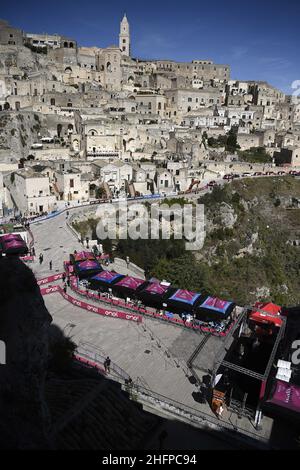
x,y
217,379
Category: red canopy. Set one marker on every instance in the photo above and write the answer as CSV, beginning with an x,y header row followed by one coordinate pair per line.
x,y
269,308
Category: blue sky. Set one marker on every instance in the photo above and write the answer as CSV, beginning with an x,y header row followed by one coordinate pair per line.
x,y
260,40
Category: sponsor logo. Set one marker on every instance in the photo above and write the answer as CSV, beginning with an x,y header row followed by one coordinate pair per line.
x,y
111,314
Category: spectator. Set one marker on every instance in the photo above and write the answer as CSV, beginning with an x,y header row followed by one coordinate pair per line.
x,y
107,365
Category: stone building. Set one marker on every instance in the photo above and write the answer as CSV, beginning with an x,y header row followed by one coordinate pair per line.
x,y
9,35
31,192
124,37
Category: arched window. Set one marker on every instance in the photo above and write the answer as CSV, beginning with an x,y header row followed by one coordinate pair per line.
x,y
71,45
108,67
6,106
52,102
65,44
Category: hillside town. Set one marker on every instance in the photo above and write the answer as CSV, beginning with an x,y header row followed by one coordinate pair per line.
x,y
124,342
87,123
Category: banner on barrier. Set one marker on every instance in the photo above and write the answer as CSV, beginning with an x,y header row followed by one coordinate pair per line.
x,y
50,290
47,280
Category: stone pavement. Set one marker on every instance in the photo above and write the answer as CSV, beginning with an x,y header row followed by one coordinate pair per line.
x,y
55,241
145,351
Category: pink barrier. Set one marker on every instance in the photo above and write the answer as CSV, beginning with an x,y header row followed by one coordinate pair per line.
x,y
101,311
50,290
86,306
27,258
90,363
47,280
120,303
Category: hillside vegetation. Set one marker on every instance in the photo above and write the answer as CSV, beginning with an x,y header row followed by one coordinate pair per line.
x,y
250,250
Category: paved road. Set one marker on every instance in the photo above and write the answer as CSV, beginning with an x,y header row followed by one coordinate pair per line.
x,y
154,351
56,241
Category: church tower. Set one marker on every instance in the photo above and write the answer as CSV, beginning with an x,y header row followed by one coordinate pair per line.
x,y
124,37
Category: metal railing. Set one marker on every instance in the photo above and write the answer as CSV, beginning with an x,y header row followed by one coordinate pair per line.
x,y
137,391
94,354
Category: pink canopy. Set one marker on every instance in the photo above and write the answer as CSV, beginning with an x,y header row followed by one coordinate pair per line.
x,y
286,395
10,236
106,275
84,255
14,244
216,304
186,296
156,288
89,264
130,282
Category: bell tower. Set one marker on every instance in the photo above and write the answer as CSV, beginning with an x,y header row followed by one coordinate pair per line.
x,y
124,36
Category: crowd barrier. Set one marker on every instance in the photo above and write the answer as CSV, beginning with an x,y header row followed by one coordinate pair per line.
x,y
50,290
85,305
138,311
27,259
47,280
89,363
141,310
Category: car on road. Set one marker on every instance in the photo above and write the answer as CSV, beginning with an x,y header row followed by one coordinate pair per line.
x,y
227,177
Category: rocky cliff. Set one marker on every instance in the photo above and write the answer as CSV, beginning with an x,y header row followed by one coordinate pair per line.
x,y
18,131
